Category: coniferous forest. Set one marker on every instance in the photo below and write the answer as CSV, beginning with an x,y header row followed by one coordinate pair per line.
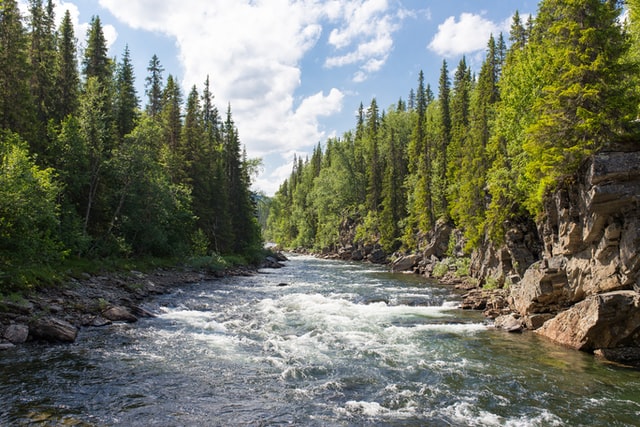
x,y
86,172
478,150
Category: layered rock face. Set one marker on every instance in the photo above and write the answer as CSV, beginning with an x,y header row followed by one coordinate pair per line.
x,y
590,268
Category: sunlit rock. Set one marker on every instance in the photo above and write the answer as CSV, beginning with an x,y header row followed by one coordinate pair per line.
x,y
607,320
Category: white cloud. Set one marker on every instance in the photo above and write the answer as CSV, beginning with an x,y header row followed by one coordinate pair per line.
x,y
469,34
252,51
367,35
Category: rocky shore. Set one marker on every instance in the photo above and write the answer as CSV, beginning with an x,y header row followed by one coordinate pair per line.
x,y
573,276
57,313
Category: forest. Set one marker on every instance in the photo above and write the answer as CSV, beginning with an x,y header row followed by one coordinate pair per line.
x,y
87,173
482,151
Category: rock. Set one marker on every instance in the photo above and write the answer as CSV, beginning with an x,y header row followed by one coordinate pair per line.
x,y
6,346
507,263
543,288
629,356
438,239
119,314
377,256
509,323
608,320
16,333
53,329
534,321
357,255
405,263
271,262
141,312
95,321
283,284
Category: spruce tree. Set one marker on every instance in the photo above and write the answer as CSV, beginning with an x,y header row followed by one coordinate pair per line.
x,y
16,106
127,102
67,82
153,87
42,59
96,62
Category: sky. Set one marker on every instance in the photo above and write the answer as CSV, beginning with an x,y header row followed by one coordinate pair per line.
x,y
296,71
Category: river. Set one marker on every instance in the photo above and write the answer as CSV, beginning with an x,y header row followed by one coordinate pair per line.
x,y
343,344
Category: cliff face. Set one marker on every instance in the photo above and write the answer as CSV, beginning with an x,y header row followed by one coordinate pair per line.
x,y
589,275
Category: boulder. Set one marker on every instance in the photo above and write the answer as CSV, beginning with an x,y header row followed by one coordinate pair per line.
x,y
543,288
405,263
609,320
534,321
53,329
377,256
16,333
509,323
119,314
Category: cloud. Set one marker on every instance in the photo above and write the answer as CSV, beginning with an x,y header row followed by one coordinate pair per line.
x,y
469,34
251,50
366,34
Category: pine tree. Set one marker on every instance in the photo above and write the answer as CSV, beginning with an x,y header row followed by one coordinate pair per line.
x,y
171,120
127,102
16,106
42,59
468,208
153,87
458,145
67,79
374,185
439,176
95,62
245,229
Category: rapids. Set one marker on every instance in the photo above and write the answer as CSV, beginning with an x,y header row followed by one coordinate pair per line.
x,y
342,344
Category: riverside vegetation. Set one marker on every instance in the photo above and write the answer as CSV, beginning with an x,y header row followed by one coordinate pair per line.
x,y
90,180
529,168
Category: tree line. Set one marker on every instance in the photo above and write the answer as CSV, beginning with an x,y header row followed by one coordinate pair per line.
x,y
483,152
86,172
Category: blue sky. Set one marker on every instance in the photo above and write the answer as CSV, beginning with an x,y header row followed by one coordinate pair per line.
x,y
295,71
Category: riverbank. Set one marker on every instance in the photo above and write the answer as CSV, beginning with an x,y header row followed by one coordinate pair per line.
x,y
55,314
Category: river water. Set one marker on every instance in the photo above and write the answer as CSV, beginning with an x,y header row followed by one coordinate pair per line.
x,y
343,344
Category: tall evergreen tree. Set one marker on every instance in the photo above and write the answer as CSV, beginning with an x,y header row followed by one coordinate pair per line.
x,y
374,185
127,102
67,81
460,112
171,119
153,86
440,169
16,106
96,62
42,58
245,229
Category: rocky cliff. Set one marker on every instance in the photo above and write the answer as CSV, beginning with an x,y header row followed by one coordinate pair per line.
x,y
585,291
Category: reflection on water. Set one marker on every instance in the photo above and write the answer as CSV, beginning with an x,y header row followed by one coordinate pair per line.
x,y
343,344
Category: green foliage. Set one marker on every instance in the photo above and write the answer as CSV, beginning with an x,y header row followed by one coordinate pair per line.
x,y
84,174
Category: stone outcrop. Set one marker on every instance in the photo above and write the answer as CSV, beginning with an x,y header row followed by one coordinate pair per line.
x,y
507,264
589,275
609,320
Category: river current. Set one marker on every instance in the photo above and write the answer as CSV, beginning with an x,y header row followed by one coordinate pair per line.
x,y
342,344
